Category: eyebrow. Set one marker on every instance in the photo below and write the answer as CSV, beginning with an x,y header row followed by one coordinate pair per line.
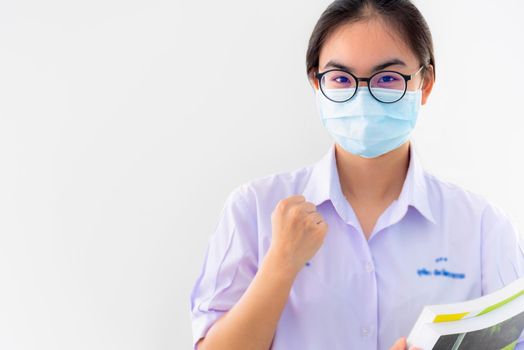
x,y
394,61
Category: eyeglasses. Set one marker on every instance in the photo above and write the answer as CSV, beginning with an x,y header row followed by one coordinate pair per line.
x,y
386,86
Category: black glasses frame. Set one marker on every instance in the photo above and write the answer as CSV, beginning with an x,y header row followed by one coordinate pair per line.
x,y
407,77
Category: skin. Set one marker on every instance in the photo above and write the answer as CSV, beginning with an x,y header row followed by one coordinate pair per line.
x,y
372,183
298,230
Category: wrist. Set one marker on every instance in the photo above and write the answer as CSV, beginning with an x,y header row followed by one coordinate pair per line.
x,y
281,264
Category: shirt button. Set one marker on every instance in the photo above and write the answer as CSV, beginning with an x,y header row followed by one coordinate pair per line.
x,y
369,267
364,331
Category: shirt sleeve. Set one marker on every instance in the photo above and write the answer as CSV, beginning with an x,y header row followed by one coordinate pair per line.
x,y
502,253
502,250
230,263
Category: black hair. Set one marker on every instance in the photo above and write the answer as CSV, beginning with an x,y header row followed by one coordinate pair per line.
x,y
403,15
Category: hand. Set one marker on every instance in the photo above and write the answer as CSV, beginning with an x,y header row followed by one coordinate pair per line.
x,y
298,230
401,344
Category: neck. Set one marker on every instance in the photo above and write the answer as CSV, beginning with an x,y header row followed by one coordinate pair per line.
x,y
372,179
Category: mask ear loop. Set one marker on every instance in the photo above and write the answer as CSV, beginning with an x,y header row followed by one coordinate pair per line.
x,y
422,81
423,76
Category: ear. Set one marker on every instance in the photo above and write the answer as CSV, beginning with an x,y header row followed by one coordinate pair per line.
x,y
429,80
313,81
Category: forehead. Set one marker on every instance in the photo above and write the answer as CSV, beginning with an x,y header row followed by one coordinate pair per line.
x,y
364,43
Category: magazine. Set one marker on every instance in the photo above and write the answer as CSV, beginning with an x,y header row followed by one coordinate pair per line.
x,y
494,321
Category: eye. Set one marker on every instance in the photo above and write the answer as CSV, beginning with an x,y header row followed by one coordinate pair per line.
x,y
387,79
337,80
342,80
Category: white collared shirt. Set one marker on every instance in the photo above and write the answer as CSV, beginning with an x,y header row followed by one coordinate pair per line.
x,y
437,243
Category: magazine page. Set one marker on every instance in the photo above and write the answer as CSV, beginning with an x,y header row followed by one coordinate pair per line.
x,y
500,319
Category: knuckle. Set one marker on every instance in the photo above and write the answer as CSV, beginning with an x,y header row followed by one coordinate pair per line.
x,y
315,217
300,197
282,204
294,210
312,222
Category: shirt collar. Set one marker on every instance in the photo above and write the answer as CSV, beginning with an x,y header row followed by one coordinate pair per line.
x,y
324,184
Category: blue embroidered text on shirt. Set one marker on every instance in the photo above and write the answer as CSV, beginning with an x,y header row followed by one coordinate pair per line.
x,y
423,271
440,272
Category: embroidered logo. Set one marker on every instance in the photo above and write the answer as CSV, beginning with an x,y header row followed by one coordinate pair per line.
x,y
441,272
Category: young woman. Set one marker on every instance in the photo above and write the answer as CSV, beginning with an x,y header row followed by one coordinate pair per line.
x,y
344,253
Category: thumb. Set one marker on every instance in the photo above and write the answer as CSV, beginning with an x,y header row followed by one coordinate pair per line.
x,y
400,344
413,347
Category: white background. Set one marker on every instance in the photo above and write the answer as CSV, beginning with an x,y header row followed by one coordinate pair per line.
x,y
125,124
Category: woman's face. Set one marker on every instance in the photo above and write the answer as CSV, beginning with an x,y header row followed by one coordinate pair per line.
x,y
364,45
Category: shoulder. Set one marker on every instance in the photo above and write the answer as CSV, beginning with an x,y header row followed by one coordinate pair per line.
x,y
452,195
454,191
458,200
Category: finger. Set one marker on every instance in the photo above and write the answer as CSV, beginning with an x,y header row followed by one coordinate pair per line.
x,y
289,202
297,198
400,344
322,225
309,207
315,217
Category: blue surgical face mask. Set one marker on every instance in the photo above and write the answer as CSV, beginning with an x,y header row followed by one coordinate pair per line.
x,y
367,127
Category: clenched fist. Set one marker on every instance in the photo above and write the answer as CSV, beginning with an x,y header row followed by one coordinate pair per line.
x,y
298,230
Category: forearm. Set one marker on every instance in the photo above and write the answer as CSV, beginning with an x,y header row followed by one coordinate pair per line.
x,y
250,324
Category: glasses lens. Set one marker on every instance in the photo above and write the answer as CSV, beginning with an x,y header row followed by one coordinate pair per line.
x,y
338,85
387,86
